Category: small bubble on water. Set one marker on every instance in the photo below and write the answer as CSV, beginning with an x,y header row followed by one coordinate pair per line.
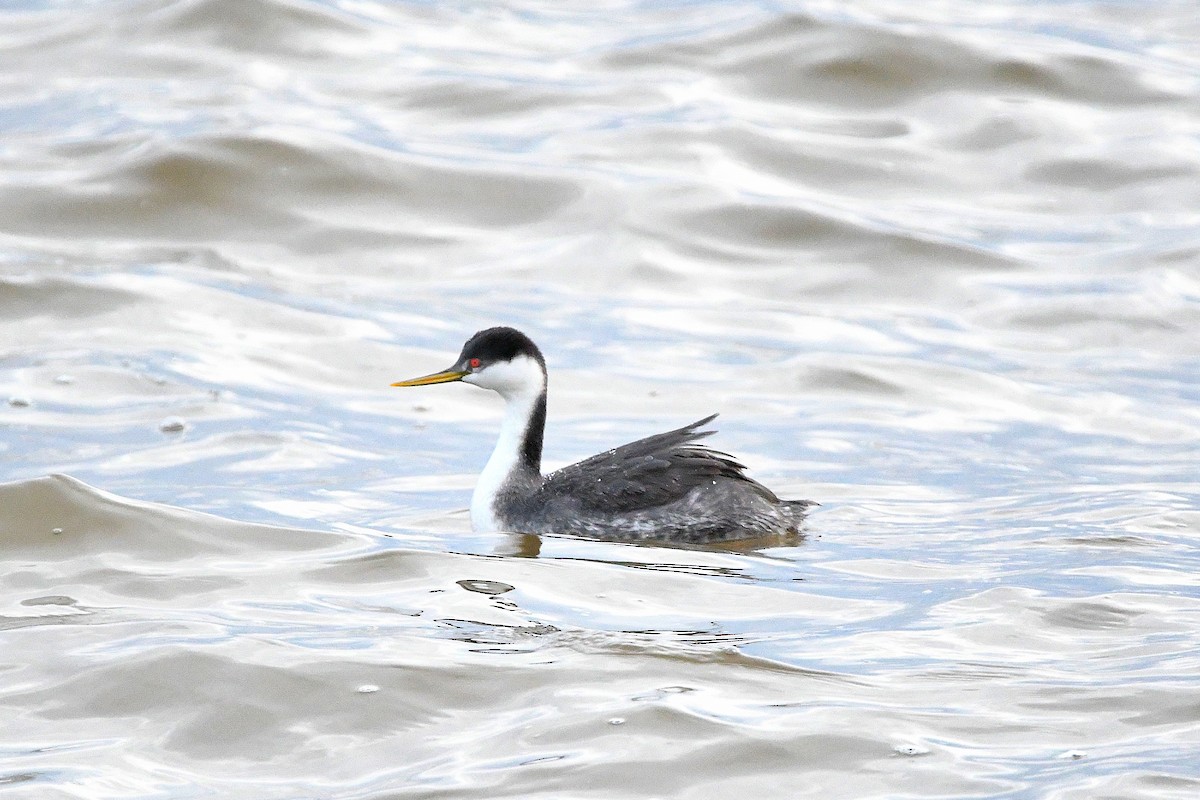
x,y
172,425
367,688
56,531
49,600
617,721
910,750
64,380
485,587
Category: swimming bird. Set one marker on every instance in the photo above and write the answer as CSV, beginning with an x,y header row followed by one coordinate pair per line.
x,y
661,488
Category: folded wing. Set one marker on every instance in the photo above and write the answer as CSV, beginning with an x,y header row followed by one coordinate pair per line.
x,y
647,473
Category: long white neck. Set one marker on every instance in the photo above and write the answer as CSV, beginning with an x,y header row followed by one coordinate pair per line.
x,y
522,403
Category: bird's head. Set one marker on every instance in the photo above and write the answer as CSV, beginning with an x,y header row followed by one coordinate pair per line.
x,y
501,359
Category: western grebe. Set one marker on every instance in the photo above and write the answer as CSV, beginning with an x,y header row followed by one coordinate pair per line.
x,y
663,488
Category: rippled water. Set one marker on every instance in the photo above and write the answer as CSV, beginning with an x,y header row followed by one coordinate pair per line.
x,y
938,266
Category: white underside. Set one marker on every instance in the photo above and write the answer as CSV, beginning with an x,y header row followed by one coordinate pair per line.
x,y
520,382
499,466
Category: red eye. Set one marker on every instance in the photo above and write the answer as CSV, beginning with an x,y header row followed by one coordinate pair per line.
x,y
474,362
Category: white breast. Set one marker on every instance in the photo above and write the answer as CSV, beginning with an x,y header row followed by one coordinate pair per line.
x,y
520,382
483,501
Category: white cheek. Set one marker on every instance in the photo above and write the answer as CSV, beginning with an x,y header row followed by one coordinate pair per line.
x,y
519,376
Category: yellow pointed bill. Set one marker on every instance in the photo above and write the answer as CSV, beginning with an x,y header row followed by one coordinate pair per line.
x,y
445,376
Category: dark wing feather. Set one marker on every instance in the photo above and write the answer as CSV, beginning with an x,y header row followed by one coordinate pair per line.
x,y
649,472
